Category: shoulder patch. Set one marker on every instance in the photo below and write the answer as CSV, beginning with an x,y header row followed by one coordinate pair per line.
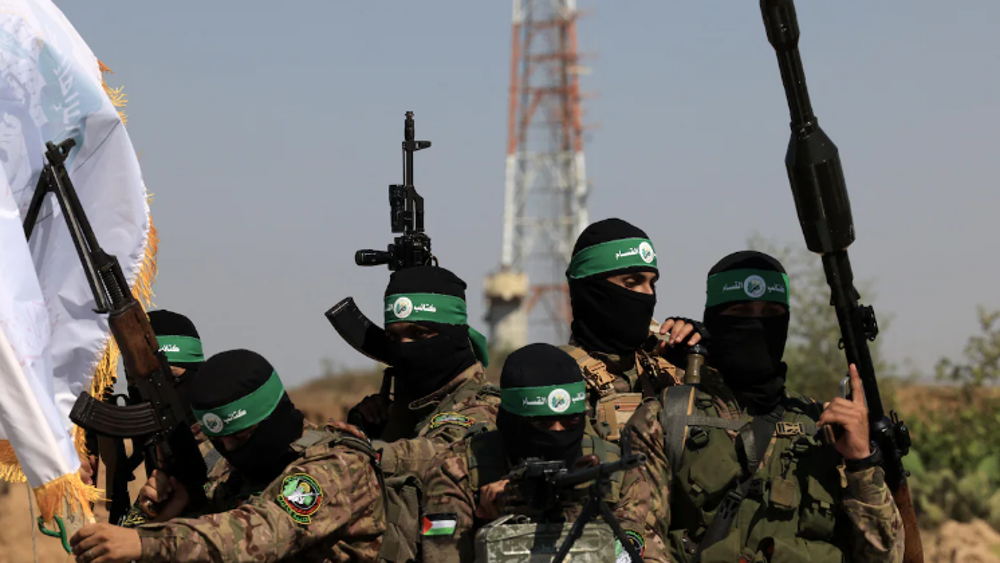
x,y
301,497
637,541
451,418
439,524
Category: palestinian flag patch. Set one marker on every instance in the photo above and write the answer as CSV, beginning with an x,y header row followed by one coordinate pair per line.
x,y
301,497
637,541
438,524
451,418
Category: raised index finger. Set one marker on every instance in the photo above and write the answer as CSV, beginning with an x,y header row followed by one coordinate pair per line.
x,y
857,389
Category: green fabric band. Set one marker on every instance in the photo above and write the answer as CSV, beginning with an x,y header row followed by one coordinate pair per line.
x,y
181,349
747,285
611,256
433,307
243,412
436,308
549,400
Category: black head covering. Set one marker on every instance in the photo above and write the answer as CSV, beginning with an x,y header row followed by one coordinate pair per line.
x,y
747,351
539,365
169,323
606,317
232,375
425,366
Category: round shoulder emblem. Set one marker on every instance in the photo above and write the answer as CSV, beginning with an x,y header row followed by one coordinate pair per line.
x,y
646,252
558,400
754,286
402,307
301,497
213,422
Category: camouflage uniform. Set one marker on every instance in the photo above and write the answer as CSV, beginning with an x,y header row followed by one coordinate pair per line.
x,y
451,487
416,432
326,506
617,385
216,465
804,506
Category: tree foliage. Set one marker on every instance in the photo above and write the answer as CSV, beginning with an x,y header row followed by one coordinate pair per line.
x,y
982,356
955,459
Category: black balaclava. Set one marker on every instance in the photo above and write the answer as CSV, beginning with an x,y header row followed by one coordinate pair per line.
x,y
179,341
606,317
237,389
541,381
434,298
747,351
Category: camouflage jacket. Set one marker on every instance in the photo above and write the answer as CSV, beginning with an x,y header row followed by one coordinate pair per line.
x,y
451,492
416,432
216,465
805,507
326,506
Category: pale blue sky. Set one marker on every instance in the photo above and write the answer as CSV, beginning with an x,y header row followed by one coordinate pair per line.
x,y
268,133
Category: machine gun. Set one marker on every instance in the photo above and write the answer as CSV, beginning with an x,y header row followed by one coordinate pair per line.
x,y
154,417
542,489
824,211
411,248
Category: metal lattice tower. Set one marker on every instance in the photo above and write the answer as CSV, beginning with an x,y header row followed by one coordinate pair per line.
x,y
545,194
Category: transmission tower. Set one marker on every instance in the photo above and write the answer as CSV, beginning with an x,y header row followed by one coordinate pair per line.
x,y
545,193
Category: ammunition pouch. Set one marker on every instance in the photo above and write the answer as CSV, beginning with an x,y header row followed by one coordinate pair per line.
x,y
615,411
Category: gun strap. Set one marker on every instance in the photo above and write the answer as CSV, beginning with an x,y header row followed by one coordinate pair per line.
x,y
211,458
122,474
755,438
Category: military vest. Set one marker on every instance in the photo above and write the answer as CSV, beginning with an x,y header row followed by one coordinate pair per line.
x,y
468,390
791,508
510,537
404,492
614,397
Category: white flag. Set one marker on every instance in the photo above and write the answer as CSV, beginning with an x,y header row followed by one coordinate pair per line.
x,y
52,341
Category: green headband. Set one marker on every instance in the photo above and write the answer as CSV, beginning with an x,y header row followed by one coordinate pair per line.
x,y
243,412
548,400
747,285
435,308
611,256
181,349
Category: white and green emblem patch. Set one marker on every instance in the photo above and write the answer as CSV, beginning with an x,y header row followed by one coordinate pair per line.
x,y
637,541
301,497
451,418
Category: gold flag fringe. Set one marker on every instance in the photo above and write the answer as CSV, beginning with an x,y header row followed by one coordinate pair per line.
x,y
68,490
53,497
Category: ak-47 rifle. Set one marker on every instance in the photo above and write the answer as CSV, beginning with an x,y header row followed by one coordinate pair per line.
x,y
543,489
411,248
824,211
154,417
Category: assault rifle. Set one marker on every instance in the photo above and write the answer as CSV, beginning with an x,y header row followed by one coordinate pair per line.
x,y
411,248
154,417
544,488
824,211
